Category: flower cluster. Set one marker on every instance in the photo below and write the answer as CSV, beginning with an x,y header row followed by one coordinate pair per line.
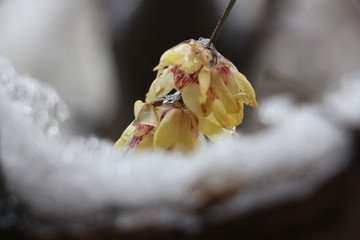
x,y
213,93
173,128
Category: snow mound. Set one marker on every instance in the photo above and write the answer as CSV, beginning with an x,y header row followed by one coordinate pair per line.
x,y
86,180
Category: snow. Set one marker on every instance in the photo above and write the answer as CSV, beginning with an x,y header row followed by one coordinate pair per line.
x,y
73,33
342,104
83,179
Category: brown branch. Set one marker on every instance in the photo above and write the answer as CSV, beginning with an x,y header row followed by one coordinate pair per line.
x,y
221,22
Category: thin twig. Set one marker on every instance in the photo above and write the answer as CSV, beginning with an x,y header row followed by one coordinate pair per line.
x,y
221,22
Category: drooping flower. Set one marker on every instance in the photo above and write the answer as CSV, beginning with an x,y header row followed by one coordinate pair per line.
x,y
171,128
211,86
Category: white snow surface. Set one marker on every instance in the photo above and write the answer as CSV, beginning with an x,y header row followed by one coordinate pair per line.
x,y
76,178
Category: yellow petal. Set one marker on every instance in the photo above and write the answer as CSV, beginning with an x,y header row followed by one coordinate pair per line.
x,y
167,132
142,130
221,114
209,129
197,137
184,141
189,137
147,142
238,117
204,83
245,87
161,86
190,65
234,119
212,119
198,56
137,107
175,55
190,95
213,131
158,67
225,96
127,134
230,80
207,106
147,115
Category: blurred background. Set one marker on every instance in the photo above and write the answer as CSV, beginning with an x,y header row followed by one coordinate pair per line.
x,y
99,54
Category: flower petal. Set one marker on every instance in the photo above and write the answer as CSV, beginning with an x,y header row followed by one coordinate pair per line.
x,y
197,57
161,86
182,78
190,66
190,95
125,137
245,87
207,106
197,137
204,82
221,114
147,116
238,117
230,80
167,132
143,129
147,142
222,91
184,141
137,107
212,130
175,55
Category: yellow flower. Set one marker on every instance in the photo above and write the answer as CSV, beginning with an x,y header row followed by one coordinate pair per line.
x,y
211,86
171,128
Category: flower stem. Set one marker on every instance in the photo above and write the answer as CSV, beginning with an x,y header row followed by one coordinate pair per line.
x,y
221,22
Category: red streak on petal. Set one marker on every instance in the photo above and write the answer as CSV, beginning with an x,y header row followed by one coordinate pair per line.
x,y
145,127
197,52
194,129
224,70
182,79
163,114
137,139
213,93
